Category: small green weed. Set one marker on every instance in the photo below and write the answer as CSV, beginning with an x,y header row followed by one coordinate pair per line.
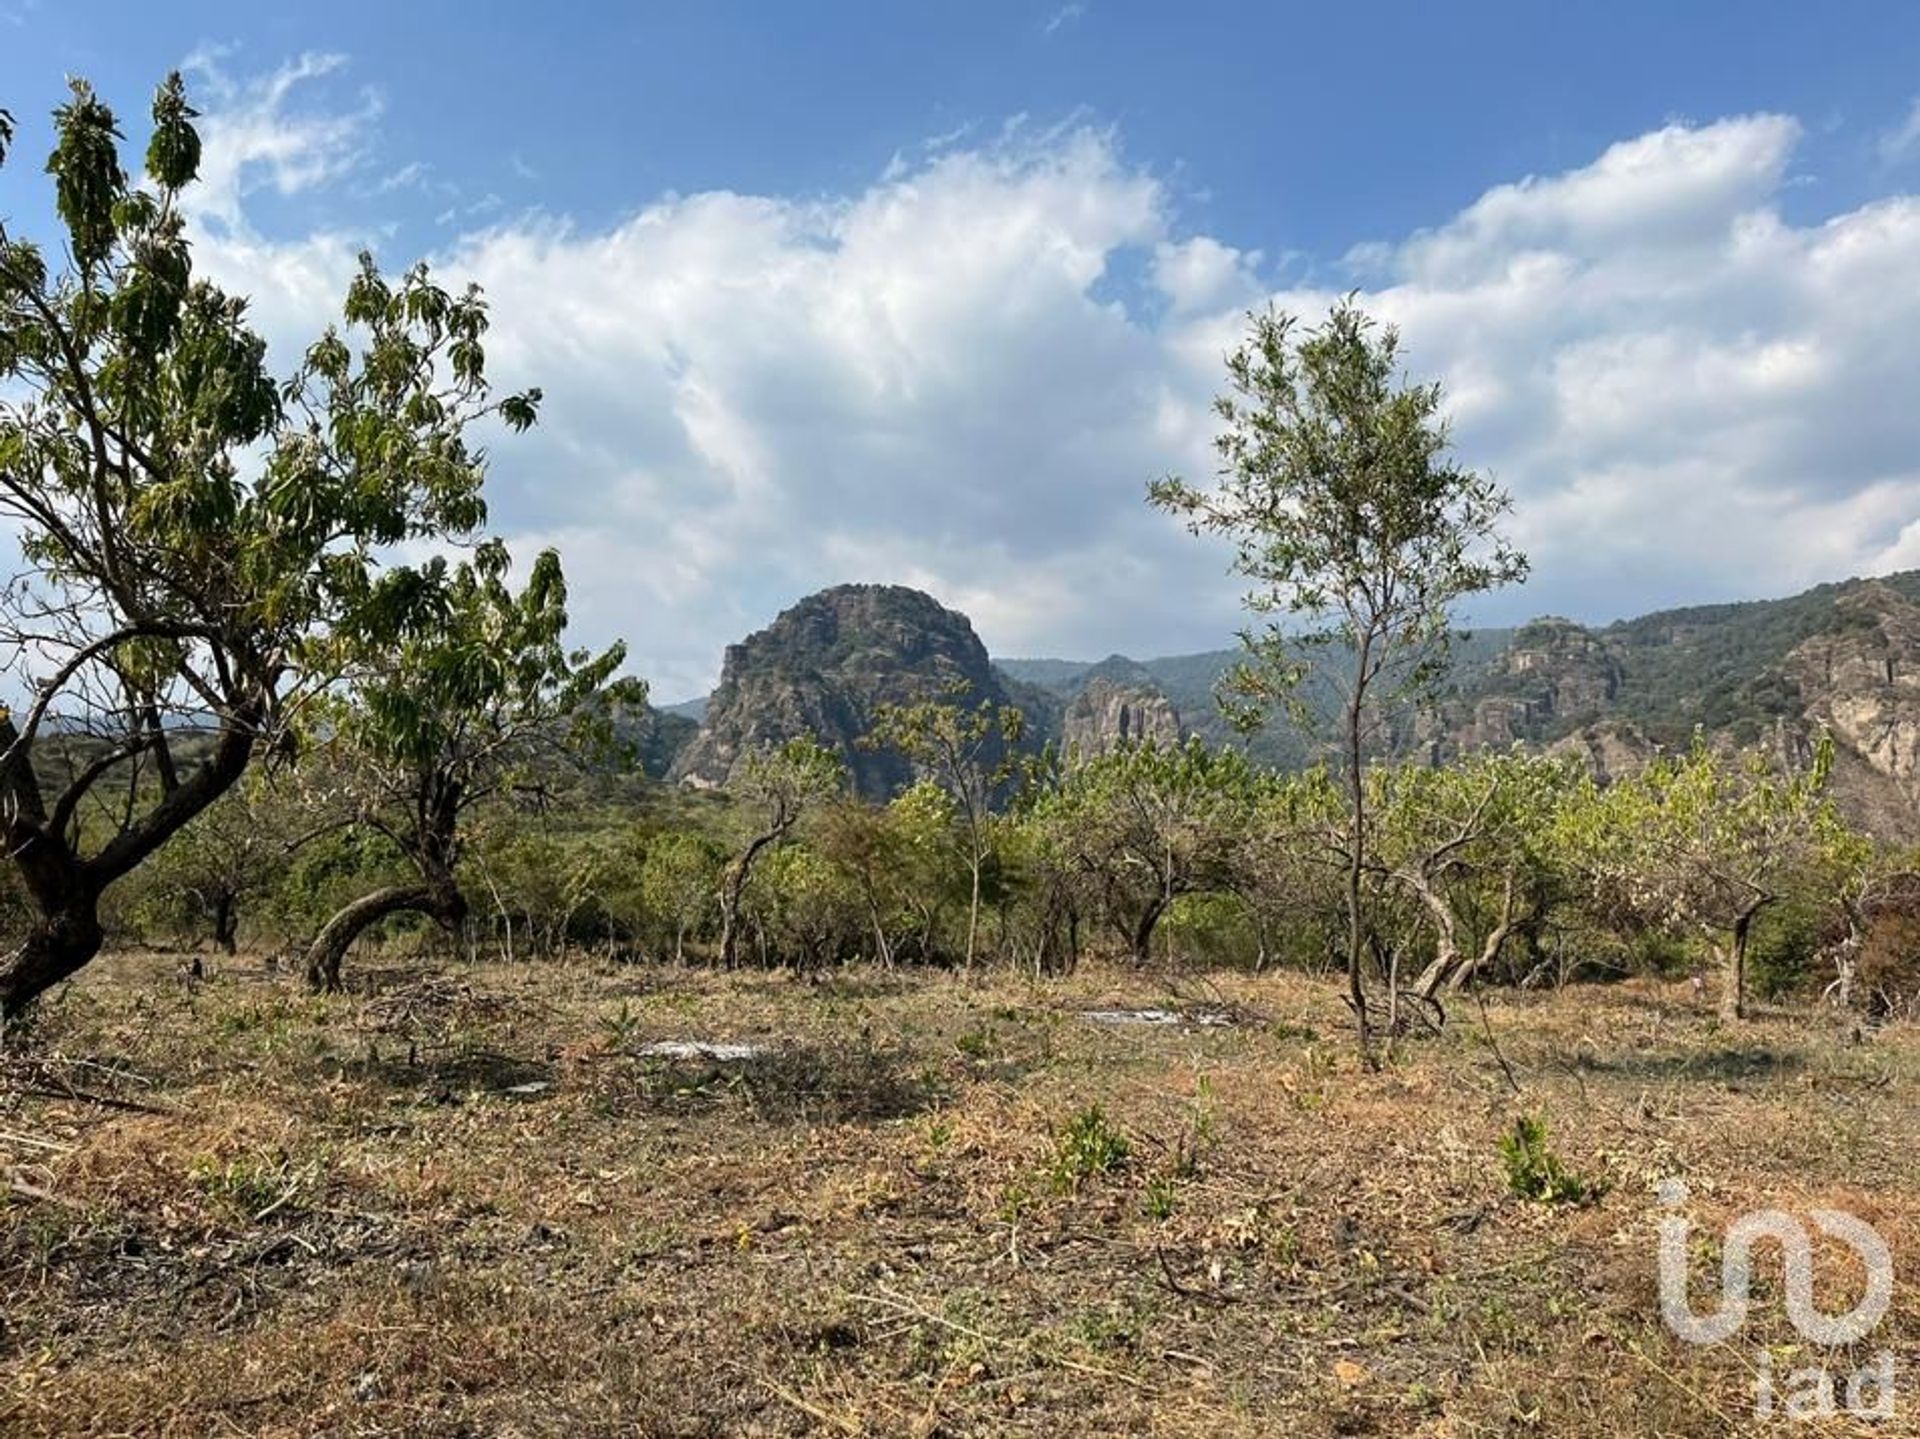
x,y
1088,1145
1534,1171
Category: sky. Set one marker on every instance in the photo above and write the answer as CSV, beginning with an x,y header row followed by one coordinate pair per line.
x,y
926,293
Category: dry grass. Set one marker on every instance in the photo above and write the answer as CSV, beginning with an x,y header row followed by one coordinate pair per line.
x,y
459,1203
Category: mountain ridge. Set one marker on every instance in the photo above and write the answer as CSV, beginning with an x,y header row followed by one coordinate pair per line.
x,y
1844,654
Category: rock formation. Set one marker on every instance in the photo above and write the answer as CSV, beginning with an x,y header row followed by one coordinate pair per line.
x,y
1861,679
1106,714
823,668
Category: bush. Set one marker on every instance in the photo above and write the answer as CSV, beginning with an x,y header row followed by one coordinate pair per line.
x,y
1783,949
1535,1172
1887,973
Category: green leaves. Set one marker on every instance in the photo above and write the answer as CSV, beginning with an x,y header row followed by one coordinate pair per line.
x,y
88,180
1342,507
173,153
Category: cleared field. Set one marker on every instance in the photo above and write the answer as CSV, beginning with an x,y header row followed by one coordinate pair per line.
x,y
510,1201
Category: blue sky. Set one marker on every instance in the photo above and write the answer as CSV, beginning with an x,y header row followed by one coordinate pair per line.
x,y
926,293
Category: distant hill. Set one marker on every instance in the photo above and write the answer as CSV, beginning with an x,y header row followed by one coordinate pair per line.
x,y
1844,655
824,668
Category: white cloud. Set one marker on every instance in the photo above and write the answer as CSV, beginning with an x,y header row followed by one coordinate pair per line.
x,y
1902,142
253,135
951,378
1063,17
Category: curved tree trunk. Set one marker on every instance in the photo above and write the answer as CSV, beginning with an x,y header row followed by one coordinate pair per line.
x,y
66,889
56,948
1141,939
442,901
730,892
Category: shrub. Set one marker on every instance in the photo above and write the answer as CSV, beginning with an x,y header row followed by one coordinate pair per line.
x,y
1534,1171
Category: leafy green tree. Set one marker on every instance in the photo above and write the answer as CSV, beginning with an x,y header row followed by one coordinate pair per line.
x,y
197,540
478,696
1349,520
973,753
919,824
862,842
1145,824
1472,844
775,788
678,882
804,907
1704,842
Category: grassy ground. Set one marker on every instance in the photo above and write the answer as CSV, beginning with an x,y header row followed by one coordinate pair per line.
x,y
459,1202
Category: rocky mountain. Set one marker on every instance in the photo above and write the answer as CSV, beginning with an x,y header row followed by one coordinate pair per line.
x,y
1860,677
823,668
1107,713
1846,656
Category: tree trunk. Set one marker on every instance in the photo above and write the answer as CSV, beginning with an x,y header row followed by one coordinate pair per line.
x,y
730,892
65,889
57,947
442,901
1142,936
973,907
226,923
1356,855
1733,990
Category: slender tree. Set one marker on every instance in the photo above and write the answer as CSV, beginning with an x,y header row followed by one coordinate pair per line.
x,y
1358,537
775,789
197,540
970,751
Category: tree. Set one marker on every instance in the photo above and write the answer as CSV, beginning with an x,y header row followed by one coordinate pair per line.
x,y
677,880
1146,824
1347,517
860,841
774,788
468,704
236,850
1469,842
197,540
803,907
1706,841
970,751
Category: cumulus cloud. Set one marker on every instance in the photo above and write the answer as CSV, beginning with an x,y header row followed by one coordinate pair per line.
x,y
961,375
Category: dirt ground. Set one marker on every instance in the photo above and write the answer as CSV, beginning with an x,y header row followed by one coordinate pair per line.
x,y
476,1201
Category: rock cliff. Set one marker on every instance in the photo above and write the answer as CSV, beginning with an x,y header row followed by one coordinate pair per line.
x,y
1106,714
823,668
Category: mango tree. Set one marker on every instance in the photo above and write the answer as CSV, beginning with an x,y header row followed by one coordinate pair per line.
x,y
678,879
1703,842
1471,844
774,788
196,540
473,702
1145,824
